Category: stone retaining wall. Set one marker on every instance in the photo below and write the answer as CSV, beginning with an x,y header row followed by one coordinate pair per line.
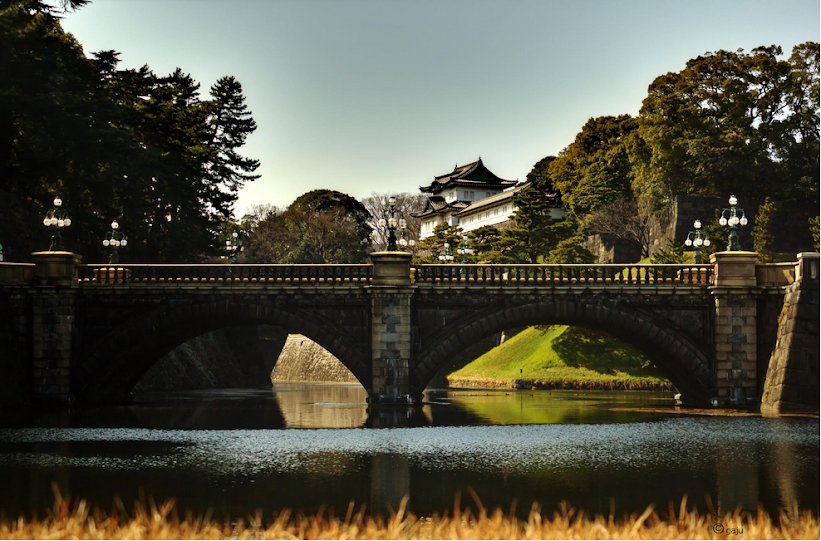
x,y
792,382
304,360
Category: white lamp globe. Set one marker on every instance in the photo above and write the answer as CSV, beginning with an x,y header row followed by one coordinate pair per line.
x,y
697,224
46,222
743,220
706,242
67,222
57,201
123,242
722,221
114,224
698,242
688,242
106,242
733,200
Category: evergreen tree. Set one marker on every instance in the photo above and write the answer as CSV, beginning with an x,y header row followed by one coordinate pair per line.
x,y
763,232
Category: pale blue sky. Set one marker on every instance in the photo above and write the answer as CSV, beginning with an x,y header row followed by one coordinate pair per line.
x,y
380,96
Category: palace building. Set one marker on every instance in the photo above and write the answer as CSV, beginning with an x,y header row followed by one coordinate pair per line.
x,y
471,196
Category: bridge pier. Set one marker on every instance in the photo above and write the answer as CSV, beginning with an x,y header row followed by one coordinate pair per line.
x,y
735,291
391,293
53,303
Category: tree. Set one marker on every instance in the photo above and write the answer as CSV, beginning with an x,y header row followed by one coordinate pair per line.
x,y
320,226
484,241
672,254
539,177
763,233
429,249
113,143
731,122
814,221
595,168
406,205
533,233
230,123
571,250
626,219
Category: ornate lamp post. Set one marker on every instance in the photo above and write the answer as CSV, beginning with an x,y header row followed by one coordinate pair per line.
x,y
391,223
464,249
56,218
403,242
697,239
730,217
114,239
232,246
446,255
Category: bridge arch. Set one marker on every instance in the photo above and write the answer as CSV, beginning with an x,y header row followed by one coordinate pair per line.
x,y
116,362
684,362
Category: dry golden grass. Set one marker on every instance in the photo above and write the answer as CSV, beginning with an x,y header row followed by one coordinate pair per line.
x,y
68,521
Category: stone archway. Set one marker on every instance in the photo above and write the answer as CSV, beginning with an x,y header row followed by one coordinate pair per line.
x,y
685,364
117,361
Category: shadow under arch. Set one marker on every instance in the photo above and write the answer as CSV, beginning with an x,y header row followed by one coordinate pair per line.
x,y
682,360
116,362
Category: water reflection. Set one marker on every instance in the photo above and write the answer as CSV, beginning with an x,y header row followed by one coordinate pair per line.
x,y
236,451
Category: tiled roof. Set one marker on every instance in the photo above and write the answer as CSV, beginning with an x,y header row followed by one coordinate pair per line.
x,y
472,175
489,201
437,205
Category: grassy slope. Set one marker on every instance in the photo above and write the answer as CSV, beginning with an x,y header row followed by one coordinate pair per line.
x,y
562,357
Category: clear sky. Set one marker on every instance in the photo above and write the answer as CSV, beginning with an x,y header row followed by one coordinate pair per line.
x,y
367,96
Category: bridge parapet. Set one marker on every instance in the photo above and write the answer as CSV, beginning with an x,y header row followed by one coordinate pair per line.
x,y
563,275
16,273
224,275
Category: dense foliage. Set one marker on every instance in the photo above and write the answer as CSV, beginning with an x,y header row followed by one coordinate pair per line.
x,y
732,122
145,149
320,226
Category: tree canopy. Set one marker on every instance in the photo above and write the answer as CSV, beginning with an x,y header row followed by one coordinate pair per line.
x,y
145,149
320,226
732,122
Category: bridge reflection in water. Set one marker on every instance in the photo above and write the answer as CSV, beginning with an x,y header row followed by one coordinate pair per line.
x,y
625,446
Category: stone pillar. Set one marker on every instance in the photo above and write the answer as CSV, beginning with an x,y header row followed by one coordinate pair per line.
x,y
55,278
391,293
735,291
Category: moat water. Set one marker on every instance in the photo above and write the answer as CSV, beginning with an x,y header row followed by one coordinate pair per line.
x,y
310,446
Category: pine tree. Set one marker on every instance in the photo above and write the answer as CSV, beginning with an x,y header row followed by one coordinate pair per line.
x,y
763,235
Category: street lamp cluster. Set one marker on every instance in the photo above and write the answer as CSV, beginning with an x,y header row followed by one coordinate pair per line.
x,y
114,239
465,249
232,246
57,218
392,223
697,239
446,255
733,217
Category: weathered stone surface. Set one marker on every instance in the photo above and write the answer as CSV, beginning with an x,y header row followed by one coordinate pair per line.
x,y
304,360
792,375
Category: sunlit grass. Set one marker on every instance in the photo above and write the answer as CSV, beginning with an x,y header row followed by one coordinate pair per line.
x,y
562,357
67,521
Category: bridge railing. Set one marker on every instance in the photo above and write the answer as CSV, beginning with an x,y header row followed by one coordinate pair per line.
x,y
615,274
16,273
91,275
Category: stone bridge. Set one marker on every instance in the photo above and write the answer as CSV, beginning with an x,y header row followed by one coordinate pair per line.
x,y
90,332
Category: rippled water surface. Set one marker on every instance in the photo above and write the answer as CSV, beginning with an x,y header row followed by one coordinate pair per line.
x,y
304,446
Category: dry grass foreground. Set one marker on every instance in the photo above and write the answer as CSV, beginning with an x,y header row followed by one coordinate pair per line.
x,y
67,521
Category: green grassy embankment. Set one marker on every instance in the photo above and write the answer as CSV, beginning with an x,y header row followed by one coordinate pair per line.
x,y
561,357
